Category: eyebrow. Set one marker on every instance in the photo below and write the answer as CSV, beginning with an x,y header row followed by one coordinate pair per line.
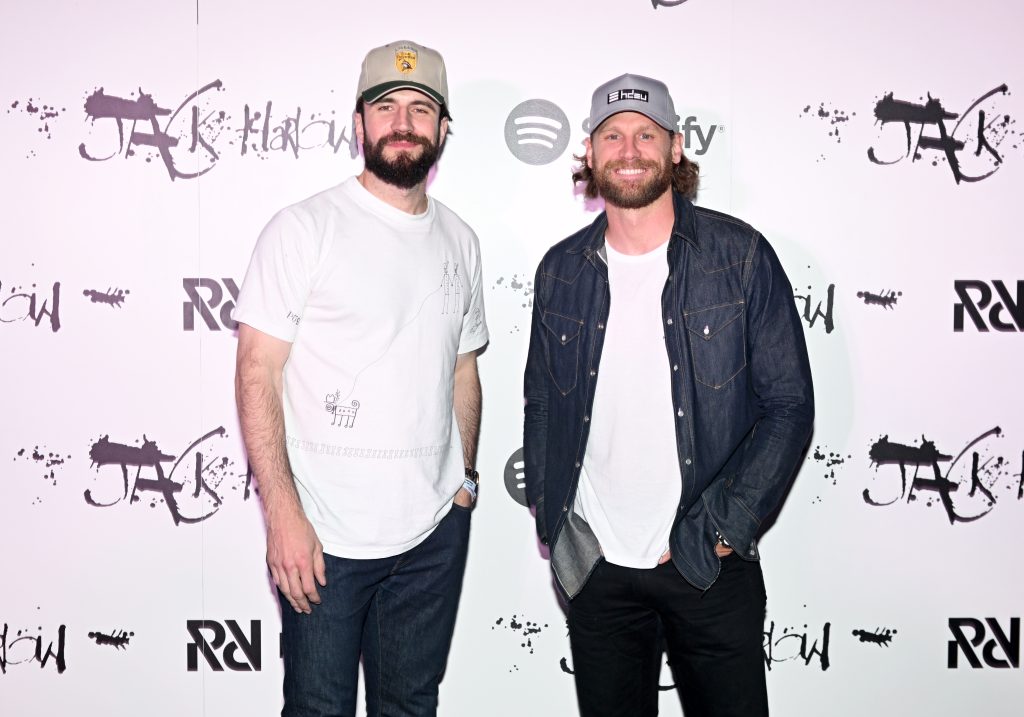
x,y
419,103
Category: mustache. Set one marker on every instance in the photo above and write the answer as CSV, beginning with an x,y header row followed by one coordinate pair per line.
x,y
403,137
630,164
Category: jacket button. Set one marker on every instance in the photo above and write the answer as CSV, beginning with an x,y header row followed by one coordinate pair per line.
x,y
675,367
687,461
593,372
563,338
669,322
586,419
577,464
680,413
600,326
565,509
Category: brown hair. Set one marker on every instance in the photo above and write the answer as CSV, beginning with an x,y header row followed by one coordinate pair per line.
x,y
685,177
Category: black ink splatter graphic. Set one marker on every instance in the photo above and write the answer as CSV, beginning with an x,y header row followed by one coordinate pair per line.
x,y
829,462
520,288
198,134
973,486
525,629
25,648
118,639
834,117
975,138
879,637
43,115
885,298
192,500
109,297
52,463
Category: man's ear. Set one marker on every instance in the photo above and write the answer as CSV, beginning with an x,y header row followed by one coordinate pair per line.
x,y
357,127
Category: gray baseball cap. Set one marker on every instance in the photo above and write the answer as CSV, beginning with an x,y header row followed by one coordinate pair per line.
x,y
404,65
633,93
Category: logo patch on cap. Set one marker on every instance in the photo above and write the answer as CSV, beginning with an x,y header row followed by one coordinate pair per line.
x,y
405,61
618,95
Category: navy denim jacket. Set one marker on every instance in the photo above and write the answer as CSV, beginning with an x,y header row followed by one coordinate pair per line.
x,y
741,385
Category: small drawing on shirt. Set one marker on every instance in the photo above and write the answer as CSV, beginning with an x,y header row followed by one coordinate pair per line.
x,y
342,416
476,323
451,288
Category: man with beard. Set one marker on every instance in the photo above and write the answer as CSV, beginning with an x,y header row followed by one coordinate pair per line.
x,y
359,399
668,400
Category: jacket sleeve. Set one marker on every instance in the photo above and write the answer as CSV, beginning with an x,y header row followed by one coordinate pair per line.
x,y
780,377
535,408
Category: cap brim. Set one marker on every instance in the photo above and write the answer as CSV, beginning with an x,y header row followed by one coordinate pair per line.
x,y
374,93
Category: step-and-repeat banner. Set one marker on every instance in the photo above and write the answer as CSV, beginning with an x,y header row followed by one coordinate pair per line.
x,y
878,145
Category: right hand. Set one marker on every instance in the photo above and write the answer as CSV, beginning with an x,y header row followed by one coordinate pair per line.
x,y
295,557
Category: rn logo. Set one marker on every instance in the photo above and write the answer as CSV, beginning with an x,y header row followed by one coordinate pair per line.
x,y
537,132
1010,645
198,304
976,296
250,646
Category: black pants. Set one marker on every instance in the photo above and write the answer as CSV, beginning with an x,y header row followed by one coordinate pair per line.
x,y
714,639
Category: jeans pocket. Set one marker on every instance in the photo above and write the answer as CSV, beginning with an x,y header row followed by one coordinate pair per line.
x,y
718,346
562,349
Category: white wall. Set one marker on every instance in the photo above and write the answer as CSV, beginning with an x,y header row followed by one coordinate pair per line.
x,y
758,73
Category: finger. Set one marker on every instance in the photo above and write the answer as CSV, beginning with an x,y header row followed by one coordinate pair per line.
x,y
319,566
285,588
665,558
297,596
309,593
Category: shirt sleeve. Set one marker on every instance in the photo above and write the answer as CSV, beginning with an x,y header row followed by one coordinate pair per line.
x,y
474,322
273,295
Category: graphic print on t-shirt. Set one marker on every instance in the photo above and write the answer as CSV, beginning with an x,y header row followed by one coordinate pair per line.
x,y
342,416
452,288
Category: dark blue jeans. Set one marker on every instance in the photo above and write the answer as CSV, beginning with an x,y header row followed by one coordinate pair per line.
x,y
398,613
617,625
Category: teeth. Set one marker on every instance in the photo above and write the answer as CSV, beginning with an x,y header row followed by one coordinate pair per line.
x,y
630,171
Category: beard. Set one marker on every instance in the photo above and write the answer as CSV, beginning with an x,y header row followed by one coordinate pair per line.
x,y
403,171
634,195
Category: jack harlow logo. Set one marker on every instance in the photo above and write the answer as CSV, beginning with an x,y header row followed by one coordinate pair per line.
x,y
537,132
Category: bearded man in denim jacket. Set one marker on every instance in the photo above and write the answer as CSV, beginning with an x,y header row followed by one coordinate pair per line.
x,y
661,428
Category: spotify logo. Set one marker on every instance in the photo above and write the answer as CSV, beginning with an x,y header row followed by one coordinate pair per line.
x,y
537,132
515,477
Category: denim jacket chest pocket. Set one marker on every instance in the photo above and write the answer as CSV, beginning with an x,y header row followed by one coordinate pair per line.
x,y
562,349
718,345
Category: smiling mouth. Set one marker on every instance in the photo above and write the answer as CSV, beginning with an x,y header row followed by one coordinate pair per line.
x,y
630,172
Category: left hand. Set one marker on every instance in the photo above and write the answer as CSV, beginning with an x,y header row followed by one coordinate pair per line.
x,y
463,498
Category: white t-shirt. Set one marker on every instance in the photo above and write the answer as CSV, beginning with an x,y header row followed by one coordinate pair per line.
x,y
377,303
630,482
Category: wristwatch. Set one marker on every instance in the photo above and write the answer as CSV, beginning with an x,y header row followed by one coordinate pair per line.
x,y
471,482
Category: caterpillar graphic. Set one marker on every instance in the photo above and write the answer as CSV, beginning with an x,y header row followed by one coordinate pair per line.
x,y
885,299
879,637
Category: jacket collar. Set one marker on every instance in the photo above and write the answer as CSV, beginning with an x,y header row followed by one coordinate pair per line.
x,y
591,240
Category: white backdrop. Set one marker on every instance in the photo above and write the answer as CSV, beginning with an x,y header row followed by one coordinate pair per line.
x,y
116,385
